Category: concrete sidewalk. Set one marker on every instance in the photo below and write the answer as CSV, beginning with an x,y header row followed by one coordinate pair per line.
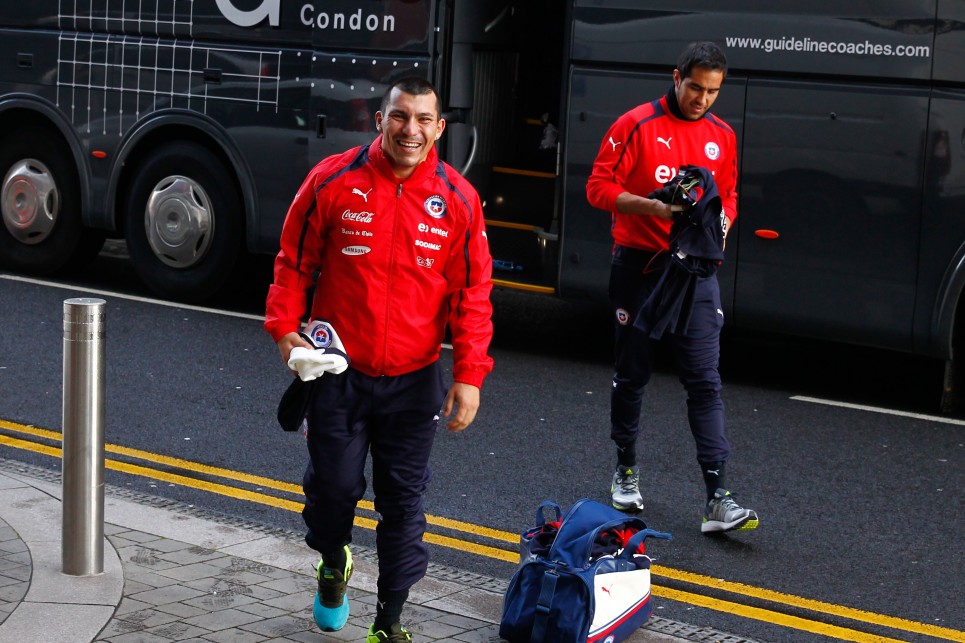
x,y
174,573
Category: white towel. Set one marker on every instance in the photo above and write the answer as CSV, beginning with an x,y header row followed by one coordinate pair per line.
x,y
303,360
329,354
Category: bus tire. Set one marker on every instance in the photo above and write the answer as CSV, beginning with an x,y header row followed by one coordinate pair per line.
x,y
40,206
184,221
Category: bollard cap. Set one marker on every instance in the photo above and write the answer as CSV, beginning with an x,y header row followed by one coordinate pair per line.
x,y
84,301
84,319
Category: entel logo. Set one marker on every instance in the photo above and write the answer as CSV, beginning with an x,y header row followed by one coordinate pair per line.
x,y
269,9
664,173
439,231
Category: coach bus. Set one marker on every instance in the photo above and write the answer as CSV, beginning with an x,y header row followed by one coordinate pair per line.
x,y
185,127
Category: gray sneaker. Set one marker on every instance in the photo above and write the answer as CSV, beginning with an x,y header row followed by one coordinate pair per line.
x,y
625,489
724,514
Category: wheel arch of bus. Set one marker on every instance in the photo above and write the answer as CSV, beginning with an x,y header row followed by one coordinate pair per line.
x,y
19,110
948,327
170,125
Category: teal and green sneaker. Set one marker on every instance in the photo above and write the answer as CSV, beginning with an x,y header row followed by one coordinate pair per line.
x,y
397,634
331,600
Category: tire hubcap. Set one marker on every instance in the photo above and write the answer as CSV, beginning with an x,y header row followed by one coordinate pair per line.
x,y
179,221
30,201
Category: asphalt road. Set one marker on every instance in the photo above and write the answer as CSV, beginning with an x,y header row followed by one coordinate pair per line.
x,y
861,516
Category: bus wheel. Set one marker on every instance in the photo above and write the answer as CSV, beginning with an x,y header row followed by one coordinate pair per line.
x,y
42,230
184,221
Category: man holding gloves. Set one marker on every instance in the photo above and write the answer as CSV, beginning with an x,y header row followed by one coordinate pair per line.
x,y
641,152
397,239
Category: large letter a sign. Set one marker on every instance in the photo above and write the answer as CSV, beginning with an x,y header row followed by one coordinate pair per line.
x,y
268,9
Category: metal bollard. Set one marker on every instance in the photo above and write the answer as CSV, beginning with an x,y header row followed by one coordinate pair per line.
x,y
82,529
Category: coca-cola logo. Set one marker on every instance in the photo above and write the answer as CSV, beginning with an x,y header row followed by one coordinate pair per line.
x,y
360,217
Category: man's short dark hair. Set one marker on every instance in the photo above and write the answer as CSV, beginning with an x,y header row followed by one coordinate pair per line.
x,y
702,54
414,86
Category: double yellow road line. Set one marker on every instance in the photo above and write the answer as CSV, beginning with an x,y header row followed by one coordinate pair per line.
x,y
778,612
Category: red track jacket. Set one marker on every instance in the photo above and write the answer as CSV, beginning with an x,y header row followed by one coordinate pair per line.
x,y
643,149
399,260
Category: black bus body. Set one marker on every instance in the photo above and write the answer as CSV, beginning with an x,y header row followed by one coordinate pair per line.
x,y
185,126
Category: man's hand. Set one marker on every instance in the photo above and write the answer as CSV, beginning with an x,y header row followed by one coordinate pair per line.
x,y
632,204
288,342
465,398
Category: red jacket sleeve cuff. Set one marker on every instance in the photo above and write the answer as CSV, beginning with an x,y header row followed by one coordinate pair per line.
x,y
474,377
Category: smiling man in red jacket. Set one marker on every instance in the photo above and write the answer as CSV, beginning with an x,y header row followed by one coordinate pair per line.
x,y
396,237
641,151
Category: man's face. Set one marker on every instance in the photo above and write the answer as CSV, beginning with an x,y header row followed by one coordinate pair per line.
x,y
410,127
697,92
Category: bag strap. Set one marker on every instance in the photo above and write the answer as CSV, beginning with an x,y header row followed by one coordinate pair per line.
x,y
541,516
574,547
638,538
543,605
